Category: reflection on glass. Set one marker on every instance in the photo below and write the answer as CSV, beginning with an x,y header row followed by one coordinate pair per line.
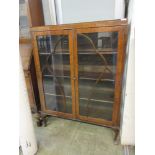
x,y
97,54
55,66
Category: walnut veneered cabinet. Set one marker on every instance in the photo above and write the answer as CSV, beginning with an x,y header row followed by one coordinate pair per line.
x,y
79,70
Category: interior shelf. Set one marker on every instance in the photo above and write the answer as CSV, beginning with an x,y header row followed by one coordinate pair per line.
x,y
56,76
98,93
57,103
82,78
84,53
85,68
96,109
58,87
80,51
57,95
88,53
95,100
102,92
86,99
93,53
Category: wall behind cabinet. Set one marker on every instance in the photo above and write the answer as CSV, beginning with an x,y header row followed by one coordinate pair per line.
x,y
128,100
49,12
73,11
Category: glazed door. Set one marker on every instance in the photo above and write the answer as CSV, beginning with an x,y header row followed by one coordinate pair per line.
x,y
98,52
55,54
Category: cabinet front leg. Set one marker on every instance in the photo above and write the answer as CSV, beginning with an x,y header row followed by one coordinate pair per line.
x,y
42,120
117,136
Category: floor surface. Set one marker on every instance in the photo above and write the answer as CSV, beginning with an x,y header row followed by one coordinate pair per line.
x,y
67,137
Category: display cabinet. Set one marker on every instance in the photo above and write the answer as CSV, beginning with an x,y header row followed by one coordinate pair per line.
x,y
79,70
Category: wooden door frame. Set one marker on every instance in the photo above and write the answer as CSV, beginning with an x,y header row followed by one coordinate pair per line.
x,y
118,78
44,109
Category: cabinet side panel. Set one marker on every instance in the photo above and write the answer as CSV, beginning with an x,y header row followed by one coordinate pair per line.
x,y
38,72
119,76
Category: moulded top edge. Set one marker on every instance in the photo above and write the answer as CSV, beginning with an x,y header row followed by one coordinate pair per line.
x,y
104,23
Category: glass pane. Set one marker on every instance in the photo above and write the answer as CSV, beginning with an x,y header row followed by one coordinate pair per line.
x,y
97,55
55,67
